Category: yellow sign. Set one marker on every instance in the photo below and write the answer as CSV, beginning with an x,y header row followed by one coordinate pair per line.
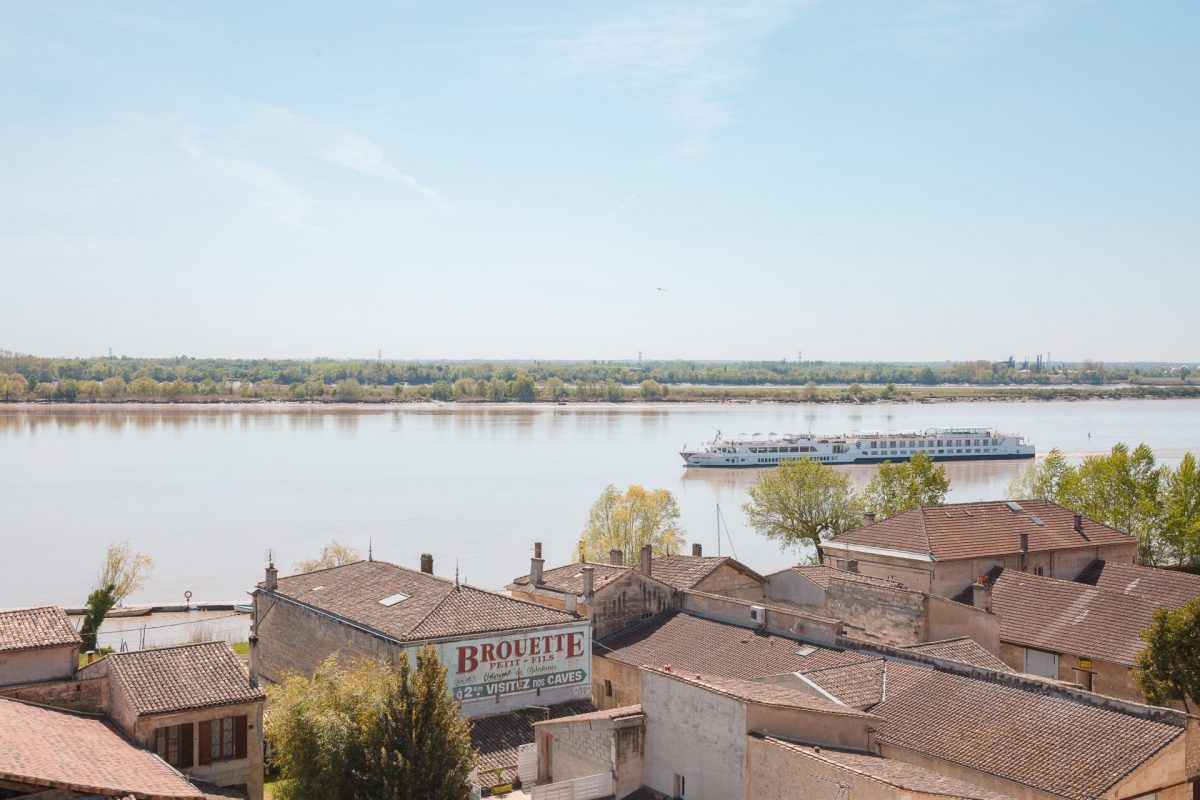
x,y
1085,663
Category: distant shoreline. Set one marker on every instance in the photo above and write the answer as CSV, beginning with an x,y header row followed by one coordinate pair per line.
x,y
683,397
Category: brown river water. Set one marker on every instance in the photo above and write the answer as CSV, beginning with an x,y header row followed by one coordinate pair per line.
x,y
208,490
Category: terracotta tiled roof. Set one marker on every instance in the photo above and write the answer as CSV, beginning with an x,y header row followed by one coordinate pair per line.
x,y
432,607
859,685
975,530
497,738
821,575
32,628
763,694
964,649
1164,587
1067,617
684,572
697,645
608,713
180,678
1047,741
569,578
61,749
890,772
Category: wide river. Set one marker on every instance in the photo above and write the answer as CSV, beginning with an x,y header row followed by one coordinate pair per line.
x,y
208,490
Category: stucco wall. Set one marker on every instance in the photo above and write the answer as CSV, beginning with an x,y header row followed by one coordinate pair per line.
x,y
42,664
1113,680
727,581
698,734
913,574
1165,774
578,751
947,619
810,726
790,587
778,773
791,622
626,601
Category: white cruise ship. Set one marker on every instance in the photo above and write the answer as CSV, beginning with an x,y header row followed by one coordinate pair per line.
x,y
864,447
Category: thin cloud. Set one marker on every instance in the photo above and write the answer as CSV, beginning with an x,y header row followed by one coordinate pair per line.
x,y
288,205
692,55
964,27
342,147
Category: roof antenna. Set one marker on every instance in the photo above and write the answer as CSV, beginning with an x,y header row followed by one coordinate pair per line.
x,y
370,550
456,586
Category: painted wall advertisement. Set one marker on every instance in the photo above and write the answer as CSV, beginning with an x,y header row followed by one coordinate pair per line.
x,y
496,666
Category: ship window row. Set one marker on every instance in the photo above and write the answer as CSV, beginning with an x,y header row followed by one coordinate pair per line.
x,y
803,448
924,444
776,460
939,452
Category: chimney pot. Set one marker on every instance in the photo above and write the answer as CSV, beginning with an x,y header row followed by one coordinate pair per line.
x,y
569,602
427,563
647,557
697,549
272,577
616,557
589,582
1024,542
535,570
869,517
981,595
537,549
1079,523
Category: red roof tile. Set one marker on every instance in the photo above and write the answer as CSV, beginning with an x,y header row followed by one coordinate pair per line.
x,y
698,645
179,678
975,530
569,577
965,650
821,575
684,572
1164,587
432,607
890,772
763,694
33,628
1051,742
1067,617
60,749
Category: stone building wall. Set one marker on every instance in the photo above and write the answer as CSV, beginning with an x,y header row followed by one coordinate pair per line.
x,y
1107,678
88,694
577,751
878,613
728,581
614,684
626,601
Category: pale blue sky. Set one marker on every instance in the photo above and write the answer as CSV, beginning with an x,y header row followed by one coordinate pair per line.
x,y
861,180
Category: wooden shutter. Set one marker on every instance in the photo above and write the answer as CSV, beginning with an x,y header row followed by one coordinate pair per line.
x,y
185,745
239,736
205,734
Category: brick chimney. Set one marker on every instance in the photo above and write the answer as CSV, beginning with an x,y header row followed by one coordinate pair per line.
x,y
697,549
589,582
647,557
1024,542
537,549
981,594
272,577
869,517
535,570
616,557
427,563
1079,523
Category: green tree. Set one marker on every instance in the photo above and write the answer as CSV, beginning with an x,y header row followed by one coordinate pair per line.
x,y
333,554
810,391
555,388
1169,664
629,521
651,389
1043,481
124,571
369,732
441,390
855,391
897,488
1180,532
420,745
99,603
802,502
613,392
524,389
348,390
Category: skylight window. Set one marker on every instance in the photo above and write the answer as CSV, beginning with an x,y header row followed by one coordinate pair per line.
x,y
1037,521
1014,507
807,650
399,597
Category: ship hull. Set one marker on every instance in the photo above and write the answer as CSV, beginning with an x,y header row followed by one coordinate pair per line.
x,y
864,460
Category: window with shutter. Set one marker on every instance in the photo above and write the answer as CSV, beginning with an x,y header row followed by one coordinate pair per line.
x,y
205,736
185,746
239,730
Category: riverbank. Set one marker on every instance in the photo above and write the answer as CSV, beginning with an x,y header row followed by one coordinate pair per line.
x,y
672,396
